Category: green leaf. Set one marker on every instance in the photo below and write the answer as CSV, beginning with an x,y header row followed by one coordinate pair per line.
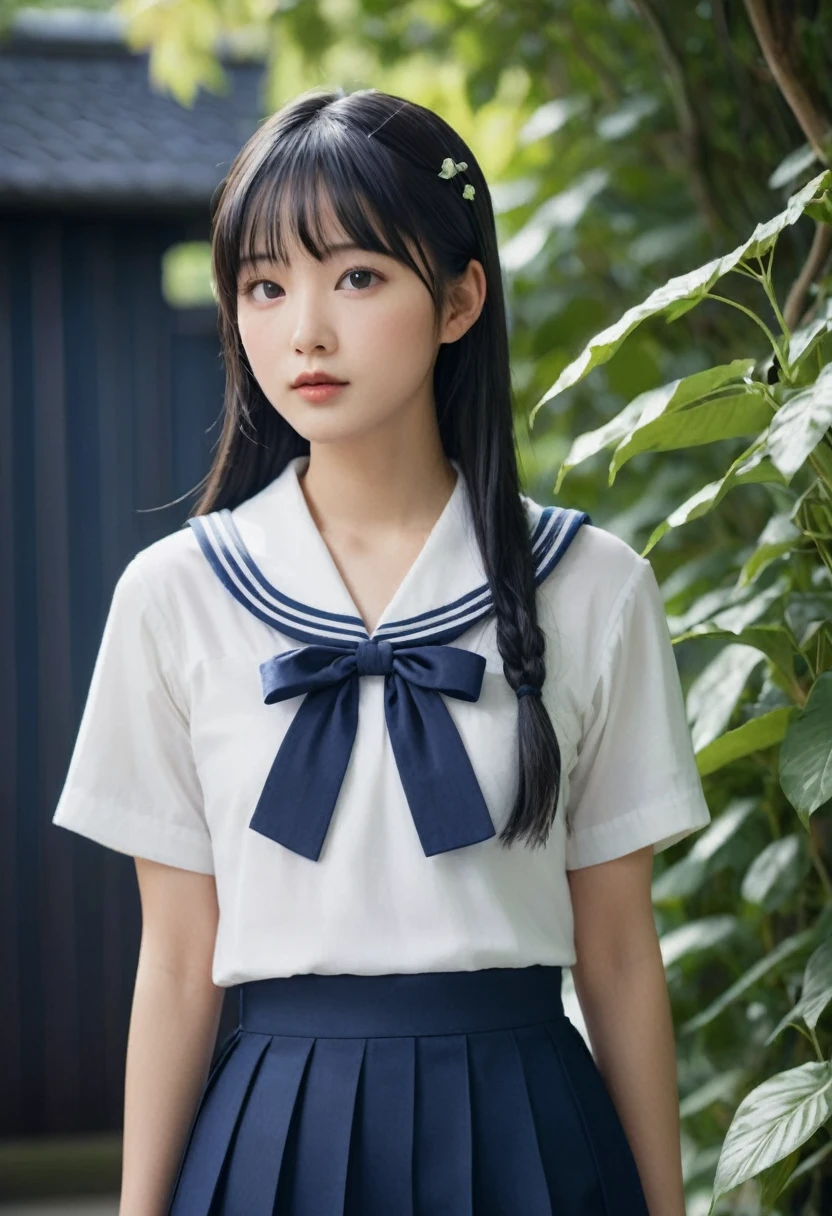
x,y
626,118
678,881
550,117
562,210
722,830
772,640
752,465
814,1159
781,953
800,424
713,695
730,608
805,611
720,1088
690,287
792,166
775,873
728,417
815,994
817,984
679,309
772,1121
806,754
651,404
774,1179
678,393
182,41
821,208
697,937
686,875
753,736
804,340
592,442
663,242
778,537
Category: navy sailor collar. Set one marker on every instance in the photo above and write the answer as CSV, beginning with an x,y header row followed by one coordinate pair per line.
x,y
270,555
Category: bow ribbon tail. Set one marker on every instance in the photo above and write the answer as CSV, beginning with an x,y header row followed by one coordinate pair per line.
x,y
297,801
444,796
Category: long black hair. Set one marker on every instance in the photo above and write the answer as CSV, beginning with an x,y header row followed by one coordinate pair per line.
x,y
375,158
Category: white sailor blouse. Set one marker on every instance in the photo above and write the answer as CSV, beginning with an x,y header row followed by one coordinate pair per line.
x,y
346,789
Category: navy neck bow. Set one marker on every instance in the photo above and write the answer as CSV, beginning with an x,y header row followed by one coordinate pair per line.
x,y
296,805
419,668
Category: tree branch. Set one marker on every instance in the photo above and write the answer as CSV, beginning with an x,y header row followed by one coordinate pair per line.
x,y
610,86
688,122
780,59
815,262
814,124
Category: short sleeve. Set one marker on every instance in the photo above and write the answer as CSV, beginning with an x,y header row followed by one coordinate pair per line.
x,y
635,780
131,783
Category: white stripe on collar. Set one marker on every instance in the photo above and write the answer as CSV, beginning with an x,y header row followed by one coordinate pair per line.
x,y
231,561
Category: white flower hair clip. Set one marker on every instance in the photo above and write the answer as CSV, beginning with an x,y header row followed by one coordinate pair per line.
x,y
450,168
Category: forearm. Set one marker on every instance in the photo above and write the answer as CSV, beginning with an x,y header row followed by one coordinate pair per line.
x,y
627,1012
173,1029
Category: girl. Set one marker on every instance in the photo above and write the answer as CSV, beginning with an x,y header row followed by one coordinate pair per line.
x,y
391,743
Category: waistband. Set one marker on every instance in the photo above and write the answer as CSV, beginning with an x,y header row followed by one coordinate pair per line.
x,y
425,1002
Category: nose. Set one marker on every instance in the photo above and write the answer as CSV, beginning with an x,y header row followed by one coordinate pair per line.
x,y
312,328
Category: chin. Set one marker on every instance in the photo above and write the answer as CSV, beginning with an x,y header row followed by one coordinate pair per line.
x,y
332,423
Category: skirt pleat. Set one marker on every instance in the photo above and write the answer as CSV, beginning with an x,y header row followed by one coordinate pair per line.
x,y
315,1179
215,1123
604,1134
380,1175
254,1166
433,1094
572,1175
443,1181
506,1154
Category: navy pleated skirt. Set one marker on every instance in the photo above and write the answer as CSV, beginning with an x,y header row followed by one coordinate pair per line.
x,y
449,1093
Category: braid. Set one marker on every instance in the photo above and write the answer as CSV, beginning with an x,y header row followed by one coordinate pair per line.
x,y
505,541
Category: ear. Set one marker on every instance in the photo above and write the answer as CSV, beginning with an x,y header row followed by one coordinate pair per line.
x,y
466,296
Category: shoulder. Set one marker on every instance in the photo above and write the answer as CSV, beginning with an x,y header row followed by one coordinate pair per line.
x,y
165,577
584,595
597,566
171,559
594,565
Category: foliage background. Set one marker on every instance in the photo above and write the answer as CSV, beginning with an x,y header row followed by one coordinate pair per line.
x,y
627,142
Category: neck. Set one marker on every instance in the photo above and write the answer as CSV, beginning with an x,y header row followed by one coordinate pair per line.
x,y
363,485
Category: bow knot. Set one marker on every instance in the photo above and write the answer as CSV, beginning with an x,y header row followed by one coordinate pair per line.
x,y
299,796
374,658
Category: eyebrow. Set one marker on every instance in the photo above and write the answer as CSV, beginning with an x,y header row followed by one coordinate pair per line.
x,y
264,257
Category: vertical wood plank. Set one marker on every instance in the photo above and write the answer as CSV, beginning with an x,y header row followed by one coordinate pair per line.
x,y
10,1011
100,415
86,618
54,685
25,691
115,352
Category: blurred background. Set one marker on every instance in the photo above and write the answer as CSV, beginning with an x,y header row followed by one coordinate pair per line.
x,y
627,143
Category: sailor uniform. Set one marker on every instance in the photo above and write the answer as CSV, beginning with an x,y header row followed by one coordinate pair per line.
x,y
402,1045
419,667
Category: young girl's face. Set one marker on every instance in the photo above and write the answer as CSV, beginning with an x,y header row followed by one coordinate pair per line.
x,y
362,317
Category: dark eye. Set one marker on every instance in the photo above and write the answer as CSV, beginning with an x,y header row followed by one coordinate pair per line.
x,y
357,278
269,289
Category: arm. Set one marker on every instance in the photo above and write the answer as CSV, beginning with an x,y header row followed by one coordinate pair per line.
x,y
173,1028
621,986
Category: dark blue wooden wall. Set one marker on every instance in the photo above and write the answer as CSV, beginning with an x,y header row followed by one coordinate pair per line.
x,y
109,401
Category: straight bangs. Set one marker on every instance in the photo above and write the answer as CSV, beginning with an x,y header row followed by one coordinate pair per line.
x,y
304,181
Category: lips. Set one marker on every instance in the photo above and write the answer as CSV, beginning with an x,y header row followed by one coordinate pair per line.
x,y
321,391
316,378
